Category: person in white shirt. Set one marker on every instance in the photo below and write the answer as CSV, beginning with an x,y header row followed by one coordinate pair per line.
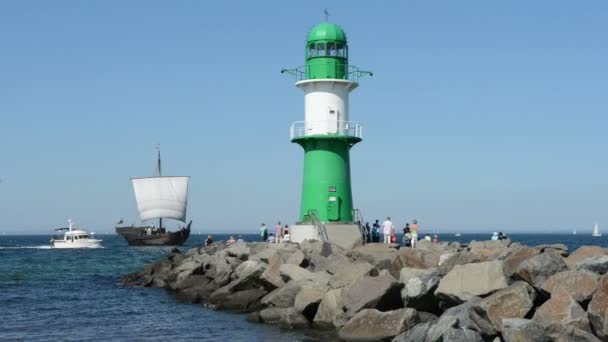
x,y
387,229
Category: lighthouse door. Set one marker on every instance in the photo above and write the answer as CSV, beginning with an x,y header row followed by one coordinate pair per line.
x,y
332,121
333,207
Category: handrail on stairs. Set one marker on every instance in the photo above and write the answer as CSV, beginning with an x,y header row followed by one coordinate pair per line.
x,y
358,218
321,231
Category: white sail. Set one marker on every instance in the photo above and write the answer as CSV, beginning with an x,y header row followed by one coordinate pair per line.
x,y
165,197
596,231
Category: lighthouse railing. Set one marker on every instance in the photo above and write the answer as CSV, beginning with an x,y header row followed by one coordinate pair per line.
x,y
352,73
339,128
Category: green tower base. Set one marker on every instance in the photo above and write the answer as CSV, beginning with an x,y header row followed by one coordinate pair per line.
x,y
326,189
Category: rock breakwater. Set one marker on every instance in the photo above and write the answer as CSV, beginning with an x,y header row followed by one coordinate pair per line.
x,y
486,291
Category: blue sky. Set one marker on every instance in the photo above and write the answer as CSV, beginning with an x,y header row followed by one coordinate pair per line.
x,y
480,116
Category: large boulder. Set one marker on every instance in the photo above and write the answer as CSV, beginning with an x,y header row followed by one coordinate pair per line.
x,y
350,272
580,284
597,264
330,312
295,272
293,319
562,310
418,258
416,334
471,316
512,262
571,334
381,292
598,309
250,269
460,258
242,301
308,299
489,250
382,256
462,335
239,250
523,330
584,252
537,269
466,281
272,315
374,325
515,301
284,297
441,326
272,275
297,258
418,287
558,248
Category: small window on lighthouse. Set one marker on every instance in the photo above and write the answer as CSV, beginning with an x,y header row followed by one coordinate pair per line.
x,y
331,48
321,49
311,50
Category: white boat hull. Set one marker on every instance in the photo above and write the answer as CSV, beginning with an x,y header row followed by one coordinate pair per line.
x,y
89,243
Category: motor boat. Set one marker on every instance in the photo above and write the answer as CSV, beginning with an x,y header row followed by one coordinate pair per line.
x,y
74,238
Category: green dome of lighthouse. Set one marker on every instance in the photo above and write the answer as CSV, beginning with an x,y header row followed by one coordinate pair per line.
x,y
327,31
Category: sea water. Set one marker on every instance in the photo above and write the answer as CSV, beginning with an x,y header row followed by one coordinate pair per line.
x,y
75,295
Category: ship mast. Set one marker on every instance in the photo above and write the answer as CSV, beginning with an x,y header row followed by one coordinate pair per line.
x,y
159,174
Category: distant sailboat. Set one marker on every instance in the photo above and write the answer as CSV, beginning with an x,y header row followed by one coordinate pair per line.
x,y
596,230
574,231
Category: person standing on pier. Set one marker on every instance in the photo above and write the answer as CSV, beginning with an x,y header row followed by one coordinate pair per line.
x,y
264,232
278,233
376,232
414,231
387,229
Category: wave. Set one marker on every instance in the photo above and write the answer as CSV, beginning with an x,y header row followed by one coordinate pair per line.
x,y
27,247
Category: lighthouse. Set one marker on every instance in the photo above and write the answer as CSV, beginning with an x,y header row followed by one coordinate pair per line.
x,y
327,135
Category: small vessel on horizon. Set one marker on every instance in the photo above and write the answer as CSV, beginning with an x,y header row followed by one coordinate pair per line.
x,y
157,198
596,231
574,231
74,238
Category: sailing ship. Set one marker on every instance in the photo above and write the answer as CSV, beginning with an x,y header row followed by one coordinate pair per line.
x,y
574,231
160,197
596,231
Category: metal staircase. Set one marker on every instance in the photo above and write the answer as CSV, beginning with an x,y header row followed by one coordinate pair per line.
x,y
358,218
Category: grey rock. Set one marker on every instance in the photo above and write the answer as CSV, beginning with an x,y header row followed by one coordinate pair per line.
x,y
436,332
292,319
272,315
272,275
418,287
466,281
350,272
250,269
489,250
381,292
462,335
598,309
297,258
294,272
470,316
571,334
374,325
562,310
416,334
285,296
522,330
596,263
382,256
239,250
580,284
460,258
242,300
512,262
515,301
308,299
330,313
537,269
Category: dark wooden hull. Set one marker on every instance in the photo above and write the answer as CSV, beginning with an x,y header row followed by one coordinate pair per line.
x,y
137,236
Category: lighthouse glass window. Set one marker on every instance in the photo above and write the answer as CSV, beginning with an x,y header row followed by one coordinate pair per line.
x,y
321,50
311,50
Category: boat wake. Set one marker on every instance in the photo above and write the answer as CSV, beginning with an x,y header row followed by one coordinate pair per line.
x,y
26,247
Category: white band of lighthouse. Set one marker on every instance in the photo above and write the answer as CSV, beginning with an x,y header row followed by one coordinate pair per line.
x,y
161,197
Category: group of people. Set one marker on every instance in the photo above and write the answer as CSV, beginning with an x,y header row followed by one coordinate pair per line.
x,y
499,236
281,233
411,233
